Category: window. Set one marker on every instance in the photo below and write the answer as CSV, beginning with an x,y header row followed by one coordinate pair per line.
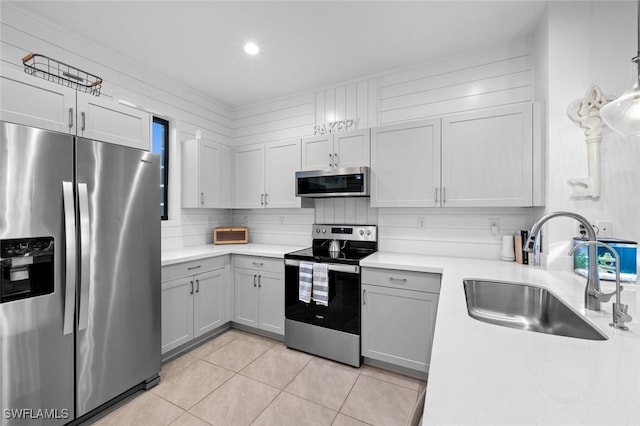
x,y
160,146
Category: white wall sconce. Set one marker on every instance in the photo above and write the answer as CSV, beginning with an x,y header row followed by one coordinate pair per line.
x,y
586,112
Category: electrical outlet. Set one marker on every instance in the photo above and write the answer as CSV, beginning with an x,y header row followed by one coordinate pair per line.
x,y
494,226
421,222
604,228
582,232
245,220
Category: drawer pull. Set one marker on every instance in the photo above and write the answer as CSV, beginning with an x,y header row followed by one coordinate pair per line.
x,y
258,263
402,280
194,267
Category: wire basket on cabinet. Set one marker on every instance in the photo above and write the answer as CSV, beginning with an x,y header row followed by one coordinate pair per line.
x,y
58,72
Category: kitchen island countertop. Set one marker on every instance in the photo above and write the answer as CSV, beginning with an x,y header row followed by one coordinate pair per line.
x,y
483,374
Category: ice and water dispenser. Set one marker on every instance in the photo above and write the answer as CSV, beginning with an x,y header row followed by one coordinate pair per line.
x,y
26,268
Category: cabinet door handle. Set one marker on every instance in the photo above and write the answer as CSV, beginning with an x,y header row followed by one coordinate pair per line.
x,y
202,198
197,286
364,296
191,282
266,199
330,160
262,199
436,202
254,280
260,281
402,280
444,195
335,159
70,118
84,121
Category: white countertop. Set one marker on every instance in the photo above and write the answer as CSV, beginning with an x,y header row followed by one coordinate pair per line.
x,y
170,257
483,374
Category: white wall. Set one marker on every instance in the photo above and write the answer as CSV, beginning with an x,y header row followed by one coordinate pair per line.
x,y
21,33
589,43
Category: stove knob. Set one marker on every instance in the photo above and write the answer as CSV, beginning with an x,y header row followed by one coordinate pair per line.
x,y
324,230
317,230
368,231
361,232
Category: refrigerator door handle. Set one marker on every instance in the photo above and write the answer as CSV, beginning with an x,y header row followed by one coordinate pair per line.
x,y
70,254
85,255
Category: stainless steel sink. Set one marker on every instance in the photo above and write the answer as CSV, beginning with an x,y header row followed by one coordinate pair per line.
x,y
526,307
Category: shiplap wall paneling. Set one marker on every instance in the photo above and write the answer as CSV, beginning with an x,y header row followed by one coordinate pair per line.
x,y
277,120
123,79
276,226
345,211
194,228
449,232
353,100
496,77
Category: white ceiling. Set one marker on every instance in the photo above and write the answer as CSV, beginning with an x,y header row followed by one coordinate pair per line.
x,y
304,45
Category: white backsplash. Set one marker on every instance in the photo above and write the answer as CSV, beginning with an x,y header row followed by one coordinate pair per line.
x,y
194,228
462,232
446,232
276,226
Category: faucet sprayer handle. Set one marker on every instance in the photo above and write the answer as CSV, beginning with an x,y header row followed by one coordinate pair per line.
x,y
620,312
620,316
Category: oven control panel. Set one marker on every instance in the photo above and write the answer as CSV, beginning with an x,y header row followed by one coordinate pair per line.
x,y
345,232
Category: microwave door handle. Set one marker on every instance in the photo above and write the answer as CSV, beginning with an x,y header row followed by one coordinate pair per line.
x,y
85,255
70,256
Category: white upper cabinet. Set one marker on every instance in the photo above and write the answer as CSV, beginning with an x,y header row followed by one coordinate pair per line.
x,y
206,174
487,158
249,177
104,120
265,175
282,162
35,102
405,164
317,152
337,150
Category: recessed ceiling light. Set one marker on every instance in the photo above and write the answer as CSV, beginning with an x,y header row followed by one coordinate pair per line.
x,y
251,48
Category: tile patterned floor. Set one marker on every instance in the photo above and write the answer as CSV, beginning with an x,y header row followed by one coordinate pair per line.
x,y
242,379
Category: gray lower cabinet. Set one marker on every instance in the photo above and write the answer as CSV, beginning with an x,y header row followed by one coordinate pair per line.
x,y
193,305
259,293
398,316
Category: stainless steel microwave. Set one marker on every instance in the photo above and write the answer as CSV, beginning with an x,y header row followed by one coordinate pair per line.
x,y
347,182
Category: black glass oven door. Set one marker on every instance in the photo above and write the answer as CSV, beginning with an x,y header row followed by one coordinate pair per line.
x,y
343,310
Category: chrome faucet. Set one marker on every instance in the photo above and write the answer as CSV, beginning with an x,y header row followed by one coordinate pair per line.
x,y
620,315
592,289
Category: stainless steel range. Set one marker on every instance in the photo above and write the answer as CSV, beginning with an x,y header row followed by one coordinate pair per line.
x,y
328,326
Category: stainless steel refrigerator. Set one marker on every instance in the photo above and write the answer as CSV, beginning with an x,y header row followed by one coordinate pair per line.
x,y
80,274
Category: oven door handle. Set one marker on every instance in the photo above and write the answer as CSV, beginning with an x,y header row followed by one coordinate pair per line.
x,y
337,267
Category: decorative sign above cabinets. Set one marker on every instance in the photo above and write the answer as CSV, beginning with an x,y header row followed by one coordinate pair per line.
x,y
336,126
